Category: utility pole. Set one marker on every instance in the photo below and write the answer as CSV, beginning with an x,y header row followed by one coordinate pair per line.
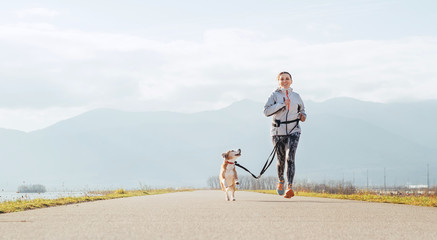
x,y
353,178
342,180
367,179
427,176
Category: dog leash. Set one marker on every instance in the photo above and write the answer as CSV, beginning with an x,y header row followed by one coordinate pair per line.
x,y
245,169
266,165
269,159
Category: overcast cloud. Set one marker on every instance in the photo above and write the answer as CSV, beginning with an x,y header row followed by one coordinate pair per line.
x,y
50,71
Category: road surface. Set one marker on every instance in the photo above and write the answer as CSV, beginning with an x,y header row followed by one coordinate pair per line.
x,y
206,215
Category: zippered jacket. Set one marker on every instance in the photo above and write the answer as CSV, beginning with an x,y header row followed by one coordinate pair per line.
x,y
277,108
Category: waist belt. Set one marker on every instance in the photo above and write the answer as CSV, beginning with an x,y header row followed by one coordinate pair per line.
x,y
278,123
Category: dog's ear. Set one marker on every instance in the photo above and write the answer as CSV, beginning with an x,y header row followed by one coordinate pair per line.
x,y
225,155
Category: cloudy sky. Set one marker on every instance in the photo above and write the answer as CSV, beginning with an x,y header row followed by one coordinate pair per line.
x,y
62,58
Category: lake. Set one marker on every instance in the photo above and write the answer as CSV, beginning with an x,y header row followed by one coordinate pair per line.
x,y
12,196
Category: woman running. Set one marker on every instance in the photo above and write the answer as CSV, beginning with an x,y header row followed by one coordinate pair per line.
x,y
287,110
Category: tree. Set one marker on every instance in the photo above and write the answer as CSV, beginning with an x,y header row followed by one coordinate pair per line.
x,y
37,188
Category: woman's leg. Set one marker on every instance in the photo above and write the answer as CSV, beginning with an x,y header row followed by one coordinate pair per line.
x,y
293,141
281,155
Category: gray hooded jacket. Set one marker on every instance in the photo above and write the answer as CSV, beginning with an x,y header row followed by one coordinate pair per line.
x,y
276,107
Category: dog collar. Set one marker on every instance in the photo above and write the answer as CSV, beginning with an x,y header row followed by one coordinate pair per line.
x,y
229,162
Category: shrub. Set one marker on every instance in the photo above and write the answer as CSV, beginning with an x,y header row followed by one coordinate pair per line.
x,y
120,191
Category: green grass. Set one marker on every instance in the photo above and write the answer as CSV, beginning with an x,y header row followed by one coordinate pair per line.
x,y
21,205
427,201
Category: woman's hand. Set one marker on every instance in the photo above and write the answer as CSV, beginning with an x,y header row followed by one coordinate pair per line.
x,y
287,102
302,117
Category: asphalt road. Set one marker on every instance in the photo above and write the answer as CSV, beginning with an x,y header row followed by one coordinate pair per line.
x,y
206,215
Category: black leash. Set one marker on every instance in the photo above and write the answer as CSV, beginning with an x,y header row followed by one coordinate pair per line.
x,y
266,165
272,154
238,165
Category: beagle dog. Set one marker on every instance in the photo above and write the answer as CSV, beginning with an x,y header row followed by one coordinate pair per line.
x,y
228,174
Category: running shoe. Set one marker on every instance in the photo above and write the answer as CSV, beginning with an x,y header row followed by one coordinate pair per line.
x,y
280,188
289,193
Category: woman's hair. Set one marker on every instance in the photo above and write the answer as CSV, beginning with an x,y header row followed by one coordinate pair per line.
x,y
284,73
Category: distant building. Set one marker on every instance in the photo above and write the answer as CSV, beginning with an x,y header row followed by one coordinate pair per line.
x,y
417,186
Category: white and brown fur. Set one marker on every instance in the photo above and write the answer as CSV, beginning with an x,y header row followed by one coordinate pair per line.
x,y
228,174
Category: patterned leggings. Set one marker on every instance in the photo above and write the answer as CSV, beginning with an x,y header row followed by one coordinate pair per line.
x,y
286,151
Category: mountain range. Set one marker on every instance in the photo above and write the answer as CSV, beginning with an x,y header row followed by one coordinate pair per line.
x,y
342,139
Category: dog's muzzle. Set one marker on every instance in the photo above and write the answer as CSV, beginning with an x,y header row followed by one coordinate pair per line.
x,y
239,153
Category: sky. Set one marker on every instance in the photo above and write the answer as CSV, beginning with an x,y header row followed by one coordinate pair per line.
x,y
60,59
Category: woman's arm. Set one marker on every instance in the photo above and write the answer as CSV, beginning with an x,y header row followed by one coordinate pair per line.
x,y
272,106
302,114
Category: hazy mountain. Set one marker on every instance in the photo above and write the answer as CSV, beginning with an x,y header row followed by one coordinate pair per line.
x,y
104,148
412,120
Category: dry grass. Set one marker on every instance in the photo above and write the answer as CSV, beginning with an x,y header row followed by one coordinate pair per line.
x,y
427,201
21,205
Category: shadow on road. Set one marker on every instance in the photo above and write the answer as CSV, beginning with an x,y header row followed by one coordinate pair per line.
x,y
290,201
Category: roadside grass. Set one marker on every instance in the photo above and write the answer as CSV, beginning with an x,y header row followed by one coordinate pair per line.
x,y
22,205
427,201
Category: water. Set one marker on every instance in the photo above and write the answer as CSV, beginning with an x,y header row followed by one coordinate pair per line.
x,y
13,196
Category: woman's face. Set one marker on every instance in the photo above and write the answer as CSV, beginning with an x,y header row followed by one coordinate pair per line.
x,y
284,81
